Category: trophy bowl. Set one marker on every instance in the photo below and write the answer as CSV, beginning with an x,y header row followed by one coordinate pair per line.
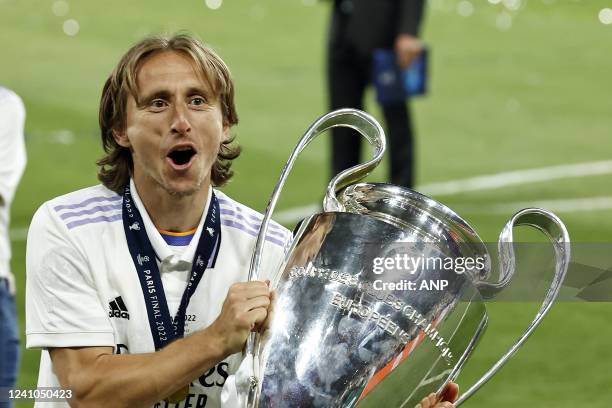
x,y
381,295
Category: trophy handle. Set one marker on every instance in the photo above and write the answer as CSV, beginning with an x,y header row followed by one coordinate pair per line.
x,y
355,119
555,230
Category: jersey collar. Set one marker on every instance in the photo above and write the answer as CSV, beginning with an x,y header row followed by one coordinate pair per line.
x,y
161,248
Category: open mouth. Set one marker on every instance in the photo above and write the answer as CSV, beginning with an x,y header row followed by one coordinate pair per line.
x,y
181,156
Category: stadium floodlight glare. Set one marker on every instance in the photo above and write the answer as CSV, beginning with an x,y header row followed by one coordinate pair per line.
x,y
214,4
605,16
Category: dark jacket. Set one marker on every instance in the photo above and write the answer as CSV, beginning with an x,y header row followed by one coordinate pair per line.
x,y
371,24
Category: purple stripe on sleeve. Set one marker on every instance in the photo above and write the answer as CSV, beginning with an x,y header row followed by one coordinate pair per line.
x,y
86,202
91,210
240,214
253,226
102,218
242,227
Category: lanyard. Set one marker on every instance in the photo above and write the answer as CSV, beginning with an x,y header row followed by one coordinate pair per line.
x,y
163,328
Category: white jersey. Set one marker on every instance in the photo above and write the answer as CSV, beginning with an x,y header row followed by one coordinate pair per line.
x,y
83,289
12,164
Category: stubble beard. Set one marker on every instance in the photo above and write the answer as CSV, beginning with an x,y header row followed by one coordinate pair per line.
x,y
184,193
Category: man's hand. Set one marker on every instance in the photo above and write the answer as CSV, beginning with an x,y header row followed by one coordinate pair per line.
x,y
97,375
245,309
407,48
448,396
268,322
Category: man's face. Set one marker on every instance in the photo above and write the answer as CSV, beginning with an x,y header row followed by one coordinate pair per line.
x,y
174,129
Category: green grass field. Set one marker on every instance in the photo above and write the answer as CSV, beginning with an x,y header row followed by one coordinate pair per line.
x,y
510,90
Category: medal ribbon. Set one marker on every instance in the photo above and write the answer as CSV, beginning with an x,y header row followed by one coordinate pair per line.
x,y
163,328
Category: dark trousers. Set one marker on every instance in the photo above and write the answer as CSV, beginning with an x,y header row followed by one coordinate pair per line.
x,y
348,74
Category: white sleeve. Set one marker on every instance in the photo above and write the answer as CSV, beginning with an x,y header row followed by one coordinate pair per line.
x,y
63,308
12,146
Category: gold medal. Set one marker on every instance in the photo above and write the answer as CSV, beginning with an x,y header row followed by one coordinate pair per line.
x,y
179,395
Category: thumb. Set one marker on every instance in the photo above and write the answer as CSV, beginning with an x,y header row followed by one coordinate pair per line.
x,y
450,392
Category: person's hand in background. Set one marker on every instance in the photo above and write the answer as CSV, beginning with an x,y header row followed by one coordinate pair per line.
x,y
407,48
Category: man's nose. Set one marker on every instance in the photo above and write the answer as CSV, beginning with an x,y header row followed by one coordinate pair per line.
x,y
180,120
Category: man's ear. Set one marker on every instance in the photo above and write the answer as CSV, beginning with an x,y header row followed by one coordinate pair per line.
x,y
121,138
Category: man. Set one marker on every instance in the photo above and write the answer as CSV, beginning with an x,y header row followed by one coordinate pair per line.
x,y
151,259
132,285
358,27
12,164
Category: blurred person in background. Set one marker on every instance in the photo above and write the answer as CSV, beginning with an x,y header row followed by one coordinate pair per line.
x,y
12,164
358,28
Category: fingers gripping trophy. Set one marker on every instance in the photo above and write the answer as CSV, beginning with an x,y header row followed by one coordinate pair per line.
x,y
344,334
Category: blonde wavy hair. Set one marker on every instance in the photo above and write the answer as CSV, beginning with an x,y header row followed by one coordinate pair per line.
x,y
116,166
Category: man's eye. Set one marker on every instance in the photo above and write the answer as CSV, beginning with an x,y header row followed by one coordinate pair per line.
x,y
158,103
198,101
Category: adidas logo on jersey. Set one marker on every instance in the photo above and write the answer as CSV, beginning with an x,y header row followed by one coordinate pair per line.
x,y
118,309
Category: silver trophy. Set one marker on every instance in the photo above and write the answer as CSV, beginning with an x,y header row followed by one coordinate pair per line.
x,y
350,329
